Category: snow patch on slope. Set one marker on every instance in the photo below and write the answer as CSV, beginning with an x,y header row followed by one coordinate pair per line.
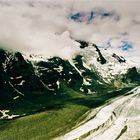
x,y
108,70
6,115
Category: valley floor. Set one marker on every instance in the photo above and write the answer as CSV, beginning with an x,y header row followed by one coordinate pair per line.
x,y
80,113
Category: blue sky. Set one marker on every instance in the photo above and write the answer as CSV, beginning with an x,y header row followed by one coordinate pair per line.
x,y
126,46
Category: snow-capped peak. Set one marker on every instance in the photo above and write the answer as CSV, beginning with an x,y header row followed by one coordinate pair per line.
x,y
115,64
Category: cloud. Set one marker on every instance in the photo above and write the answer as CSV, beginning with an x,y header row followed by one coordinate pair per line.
x,y
37,25
30,31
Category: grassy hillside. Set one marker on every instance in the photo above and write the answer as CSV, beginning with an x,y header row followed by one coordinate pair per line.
x,y
44,125
57,115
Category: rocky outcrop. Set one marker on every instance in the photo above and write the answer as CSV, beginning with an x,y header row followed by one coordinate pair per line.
x,y
119,58
55,70
101,58
83,44
18,73
20,76
132,75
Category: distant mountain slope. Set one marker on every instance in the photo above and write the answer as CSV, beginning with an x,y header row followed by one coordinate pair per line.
x,y
92,70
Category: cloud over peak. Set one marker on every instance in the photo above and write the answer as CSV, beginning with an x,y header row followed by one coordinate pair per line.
x,y
37,25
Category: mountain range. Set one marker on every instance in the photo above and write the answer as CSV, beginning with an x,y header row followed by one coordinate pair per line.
x,y
91,71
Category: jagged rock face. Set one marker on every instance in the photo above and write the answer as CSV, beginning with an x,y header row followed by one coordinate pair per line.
x,y
91,78
119,58
101,59
104,62
55,70
6,91
132,75
26,77
2,56
83,44
22,76
18,75
3,77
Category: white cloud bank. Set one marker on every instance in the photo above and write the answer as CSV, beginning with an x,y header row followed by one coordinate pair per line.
x,y
36,25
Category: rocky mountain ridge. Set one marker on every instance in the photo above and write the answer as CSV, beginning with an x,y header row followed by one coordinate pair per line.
x,y
90,71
